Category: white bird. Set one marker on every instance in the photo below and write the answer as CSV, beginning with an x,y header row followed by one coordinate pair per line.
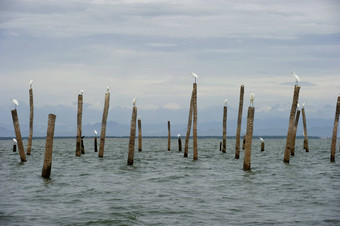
x,y
95,132
297,79
81,91
303,105
108,89
179,135
252,97
31,83
15,140
16,103
298,106
194,75
134,101
261,139
225,102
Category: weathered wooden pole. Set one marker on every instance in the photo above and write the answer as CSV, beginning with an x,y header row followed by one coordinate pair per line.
x,y
132,136
187,137
290,134
239,121
305,140
82,148
140,133
79,124
225,109
249,138
18,135
296,123
103,130
335,130
169,136
95,144
30,135
194,130
179,142
46,170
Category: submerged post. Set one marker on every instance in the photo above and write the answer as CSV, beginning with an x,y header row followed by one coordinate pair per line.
x,y
186,147
18,135
82,149
249,138
179,143
30,135
140,133
46,170
239,121
305,140
79,122
335,129
194,131
220,145
103,130
292,152
132,136
290,134
225,109
262,146
169,136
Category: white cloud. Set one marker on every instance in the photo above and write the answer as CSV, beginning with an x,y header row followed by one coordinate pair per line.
x,y
172,106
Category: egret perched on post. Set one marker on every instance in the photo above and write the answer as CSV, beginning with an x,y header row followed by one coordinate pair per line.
x,y
16,103
252,96
179,135
81,91
95,132
108,89
134,101
194,75
15,140
297,79
225,102
31,83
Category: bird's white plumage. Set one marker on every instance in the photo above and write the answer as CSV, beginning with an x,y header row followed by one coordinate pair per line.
x,y
261,139
108,89
31,83
134,101
179,135
252,97
194,75
297,79
15,140
15,102
298,106
95,132
81,92
225,102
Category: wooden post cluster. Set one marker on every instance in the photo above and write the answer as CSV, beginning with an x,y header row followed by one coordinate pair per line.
x,y
290,134
169,136
132,136
335,130
104,120
239,121
79,124
249,138
296,123
29,144
305,140
139,134
46,170
224,145
18,135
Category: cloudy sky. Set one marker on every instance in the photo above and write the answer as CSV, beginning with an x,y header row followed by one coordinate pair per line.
x,y
148,48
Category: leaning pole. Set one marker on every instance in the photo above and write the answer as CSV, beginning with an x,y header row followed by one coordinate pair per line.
x,y
239,121
296,123
104,120
132,136
335,130
18,135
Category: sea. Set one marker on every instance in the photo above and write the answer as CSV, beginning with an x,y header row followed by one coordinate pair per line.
x,y
164,188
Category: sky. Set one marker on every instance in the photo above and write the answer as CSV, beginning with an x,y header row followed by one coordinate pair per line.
x,y
148,49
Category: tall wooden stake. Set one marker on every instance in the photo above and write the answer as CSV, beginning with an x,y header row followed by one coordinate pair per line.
x,y
18,135
132,136
296,123
239,121
79,122
179,143
29,144
225,108
335,130
103,131
305,141
194,131
82,148
187,137
46,170
169,136
289,142
139,134
249,138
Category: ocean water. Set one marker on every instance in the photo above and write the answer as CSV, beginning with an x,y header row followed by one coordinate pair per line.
x,y
163,188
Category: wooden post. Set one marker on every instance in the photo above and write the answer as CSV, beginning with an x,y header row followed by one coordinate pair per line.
x,y
194,131
79,122
187,137
249,138
18,135
29,144
290,134
132,136
169,136
179,143
220,145
14,147
225,108
305,141
239,120
103,131
95,144
82,149
46,170
262,146
292,152
335,130
139,134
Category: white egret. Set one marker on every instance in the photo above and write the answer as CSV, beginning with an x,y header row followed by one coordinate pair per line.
x,y
252,97
194,75
15,140
225,102
297,79
81,91
179,135
298,106
16,103
31,83
261,139
95,132
134,101
108,89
